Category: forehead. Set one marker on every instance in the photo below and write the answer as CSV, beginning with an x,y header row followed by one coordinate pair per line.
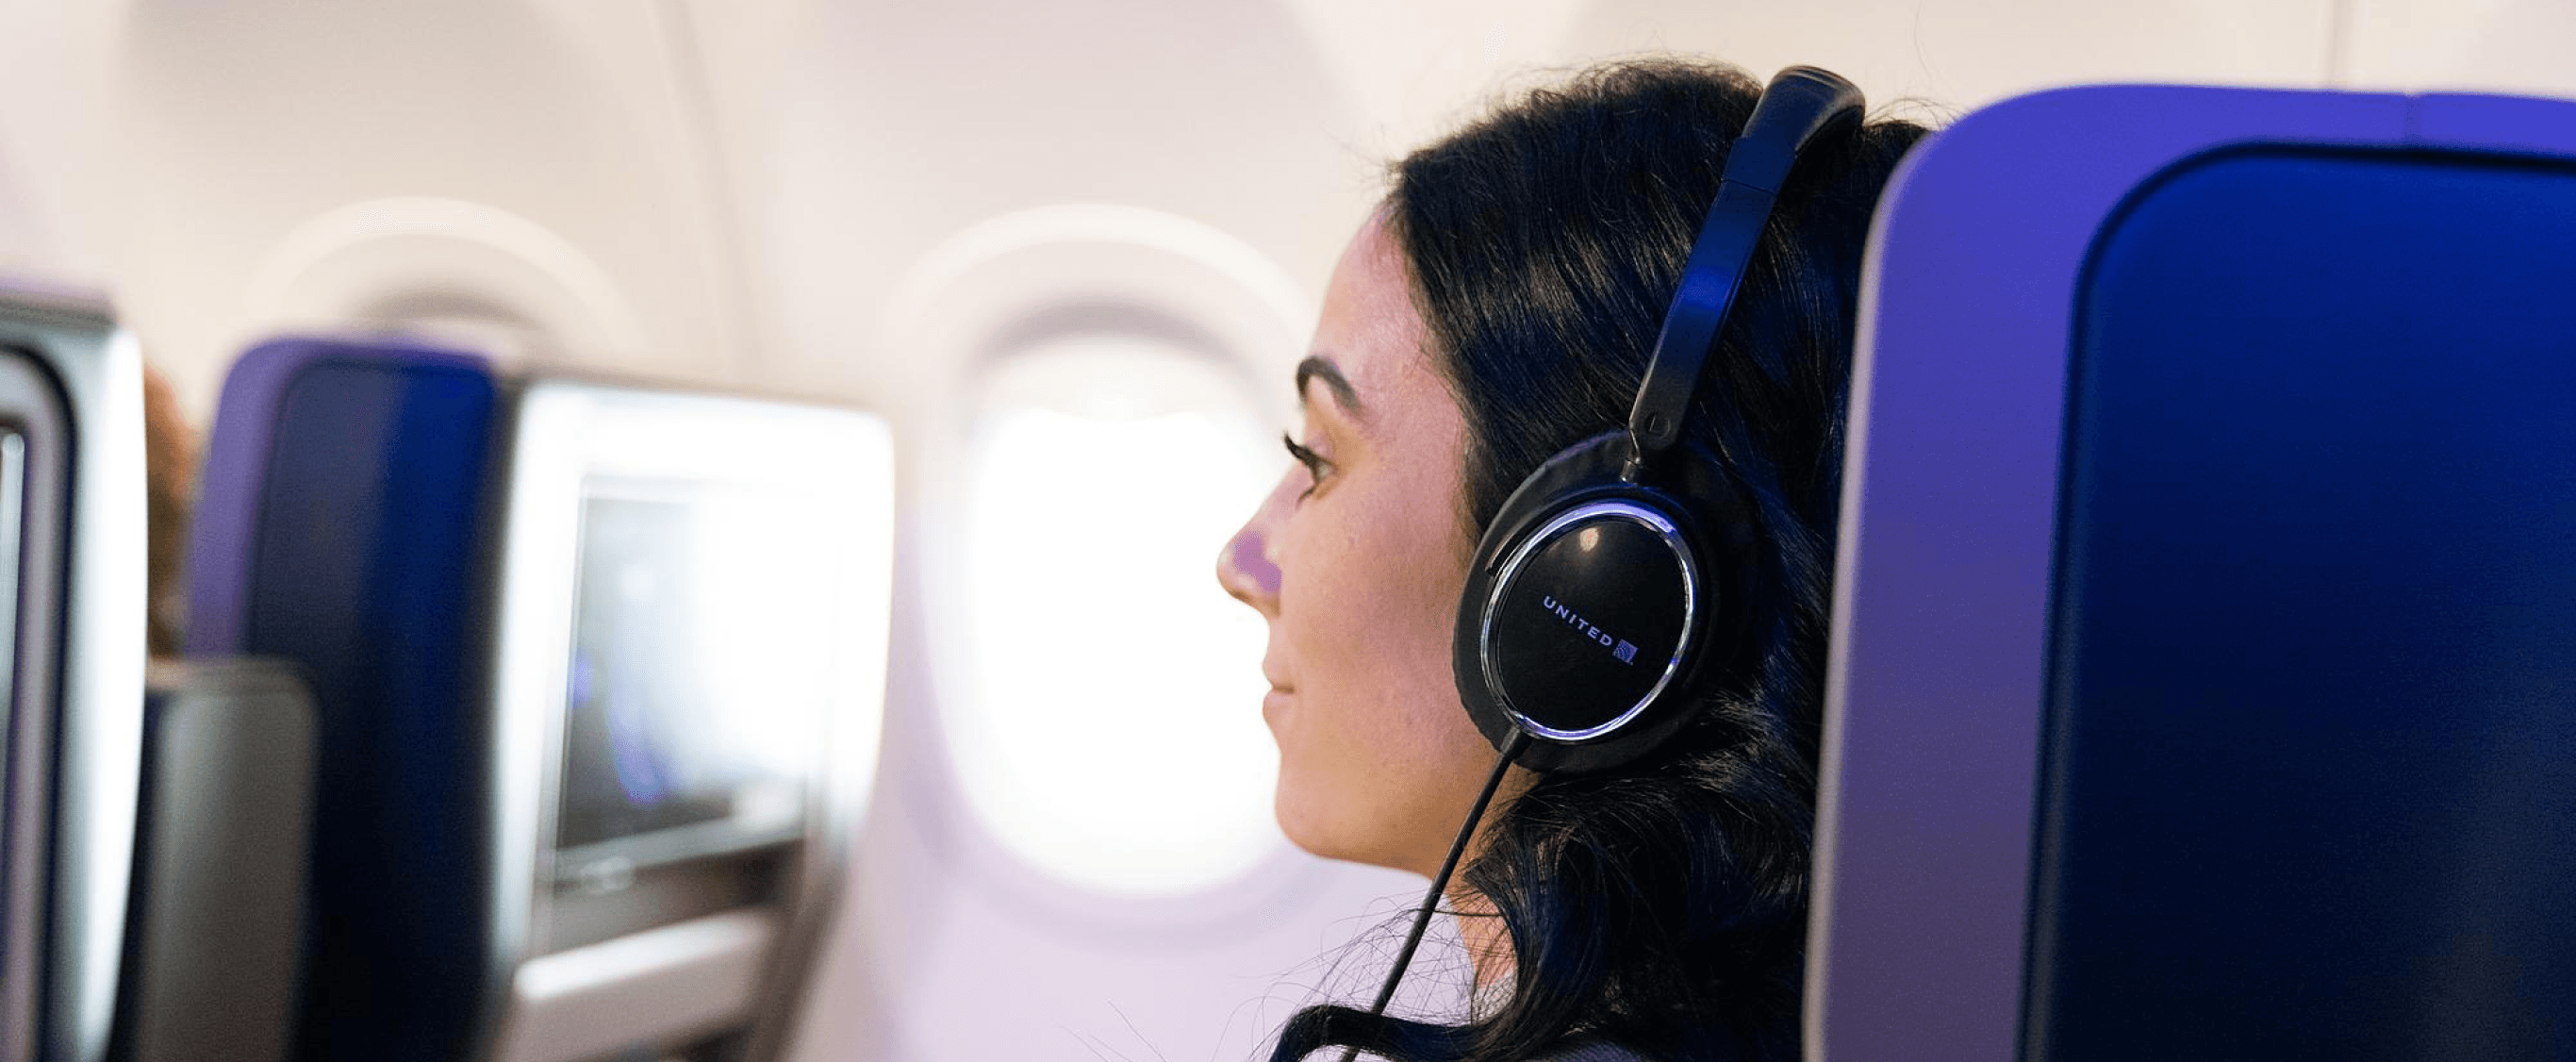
x,y
1370,330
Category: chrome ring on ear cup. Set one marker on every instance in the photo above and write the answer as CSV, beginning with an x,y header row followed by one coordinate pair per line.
x,y
1619,649
1710,524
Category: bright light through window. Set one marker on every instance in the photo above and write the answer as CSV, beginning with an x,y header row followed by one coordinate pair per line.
x,y
1112,731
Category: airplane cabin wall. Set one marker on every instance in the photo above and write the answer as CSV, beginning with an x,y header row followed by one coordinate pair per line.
x,y
2501,46
860,202
518,170
51,129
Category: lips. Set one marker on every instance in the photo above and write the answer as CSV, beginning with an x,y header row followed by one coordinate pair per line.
x,y
1275,701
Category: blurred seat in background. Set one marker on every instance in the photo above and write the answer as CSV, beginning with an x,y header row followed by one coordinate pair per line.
x,y
599,671
71,697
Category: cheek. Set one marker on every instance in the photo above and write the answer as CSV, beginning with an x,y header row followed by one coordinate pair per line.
x,y
1377,726
1377,756
1369,621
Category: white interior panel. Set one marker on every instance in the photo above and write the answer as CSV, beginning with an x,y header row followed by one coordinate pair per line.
x,y
520,125
52,123
2516,47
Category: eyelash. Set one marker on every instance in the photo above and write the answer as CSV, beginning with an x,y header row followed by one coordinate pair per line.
x,y
1314,462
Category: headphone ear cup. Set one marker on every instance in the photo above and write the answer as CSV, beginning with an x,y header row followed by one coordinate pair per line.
x,y
1593,606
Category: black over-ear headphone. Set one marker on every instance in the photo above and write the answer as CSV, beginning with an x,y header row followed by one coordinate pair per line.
x,y
1607,591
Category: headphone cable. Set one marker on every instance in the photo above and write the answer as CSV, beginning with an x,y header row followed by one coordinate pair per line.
x,y
1440,882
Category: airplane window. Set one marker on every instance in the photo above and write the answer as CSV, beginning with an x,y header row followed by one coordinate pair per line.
x,y
1112,733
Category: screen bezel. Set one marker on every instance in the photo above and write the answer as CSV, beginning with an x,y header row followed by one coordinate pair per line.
x,y
31,410
569,435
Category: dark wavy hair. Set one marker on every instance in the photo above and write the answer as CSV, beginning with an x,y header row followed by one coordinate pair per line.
x,y
1661,907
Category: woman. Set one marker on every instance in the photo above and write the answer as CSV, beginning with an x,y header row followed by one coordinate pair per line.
x,y
1500,307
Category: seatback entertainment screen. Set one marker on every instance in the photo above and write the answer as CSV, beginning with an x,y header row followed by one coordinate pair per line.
x,y
696,679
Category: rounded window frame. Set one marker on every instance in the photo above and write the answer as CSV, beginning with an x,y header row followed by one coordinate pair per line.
x,y
1000,290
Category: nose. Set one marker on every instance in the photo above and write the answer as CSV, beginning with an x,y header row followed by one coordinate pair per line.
x,y
1245,569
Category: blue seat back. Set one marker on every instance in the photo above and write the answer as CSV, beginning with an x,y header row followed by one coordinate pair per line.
x,y
2206,673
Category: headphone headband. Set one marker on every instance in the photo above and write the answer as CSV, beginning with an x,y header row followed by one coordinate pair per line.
x,y
1800,103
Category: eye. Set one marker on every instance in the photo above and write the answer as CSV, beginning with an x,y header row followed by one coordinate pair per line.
x,y
1315,464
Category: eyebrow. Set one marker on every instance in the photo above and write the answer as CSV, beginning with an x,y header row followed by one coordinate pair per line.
x,y
1316,367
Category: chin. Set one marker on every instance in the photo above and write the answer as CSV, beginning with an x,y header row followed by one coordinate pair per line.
x,y
1295,819
1307,825
1311,825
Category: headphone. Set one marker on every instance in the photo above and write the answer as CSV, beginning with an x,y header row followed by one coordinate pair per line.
x,y
1607,592
1603,591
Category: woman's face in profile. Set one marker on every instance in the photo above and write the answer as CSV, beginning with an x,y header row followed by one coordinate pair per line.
x,y
1356,559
